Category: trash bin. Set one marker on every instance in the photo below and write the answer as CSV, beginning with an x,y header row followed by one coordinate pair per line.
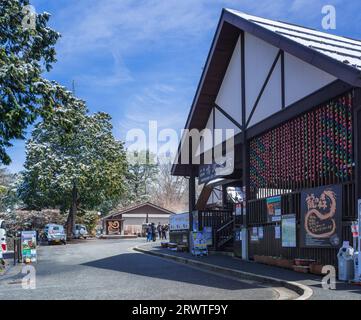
x,y
345,263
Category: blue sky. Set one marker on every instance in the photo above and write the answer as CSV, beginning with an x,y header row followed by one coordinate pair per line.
x,y
141,60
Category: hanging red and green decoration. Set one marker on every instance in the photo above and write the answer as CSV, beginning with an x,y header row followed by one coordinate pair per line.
x,y
311,150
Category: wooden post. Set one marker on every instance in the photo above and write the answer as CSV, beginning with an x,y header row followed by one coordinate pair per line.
x,y
245,166
192,194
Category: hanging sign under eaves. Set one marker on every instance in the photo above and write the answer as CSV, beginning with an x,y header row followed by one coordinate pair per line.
x,y
209,172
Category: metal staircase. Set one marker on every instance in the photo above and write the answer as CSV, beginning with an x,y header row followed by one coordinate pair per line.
x,y
224,234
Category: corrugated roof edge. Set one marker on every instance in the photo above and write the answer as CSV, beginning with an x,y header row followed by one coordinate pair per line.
x,y
334,67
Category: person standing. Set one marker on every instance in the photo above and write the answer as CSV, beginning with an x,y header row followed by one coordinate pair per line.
x,y
164,232
159,229
153,232
149,233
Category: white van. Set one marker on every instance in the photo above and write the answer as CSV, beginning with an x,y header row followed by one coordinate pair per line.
x,y
3,236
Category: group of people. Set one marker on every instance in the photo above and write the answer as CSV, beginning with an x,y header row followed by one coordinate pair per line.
x,y
152,231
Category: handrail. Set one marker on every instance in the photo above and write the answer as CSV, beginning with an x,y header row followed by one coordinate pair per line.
x,y
226,225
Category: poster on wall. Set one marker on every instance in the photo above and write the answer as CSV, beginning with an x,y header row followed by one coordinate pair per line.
x,y
277,232
260,232
274,209
321,213
289,231
28,246
254,234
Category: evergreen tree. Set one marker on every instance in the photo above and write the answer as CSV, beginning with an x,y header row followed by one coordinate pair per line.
x,y
73,161
25,53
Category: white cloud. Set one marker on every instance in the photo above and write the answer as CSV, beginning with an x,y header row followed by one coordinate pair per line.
x,y
129,25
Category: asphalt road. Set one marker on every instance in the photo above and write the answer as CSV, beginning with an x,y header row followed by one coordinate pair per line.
x,y
109,269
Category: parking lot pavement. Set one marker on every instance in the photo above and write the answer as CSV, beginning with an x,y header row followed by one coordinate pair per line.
x,y
109,269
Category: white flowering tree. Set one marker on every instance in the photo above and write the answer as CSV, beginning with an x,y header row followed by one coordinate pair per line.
x,y
73,161
26,51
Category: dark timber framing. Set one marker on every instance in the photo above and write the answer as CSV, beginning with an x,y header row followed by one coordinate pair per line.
x,y
244,132
264,87
283,88
237,124
229,27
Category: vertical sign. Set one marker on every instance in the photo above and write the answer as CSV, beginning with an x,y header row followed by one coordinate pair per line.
x,y
289,239
28,246
321,216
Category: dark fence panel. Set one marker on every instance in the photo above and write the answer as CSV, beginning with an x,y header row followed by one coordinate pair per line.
x,y
291,204
214,218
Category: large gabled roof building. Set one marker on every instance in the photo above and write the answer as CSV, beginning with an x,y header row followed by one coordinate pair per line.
x,y
270,81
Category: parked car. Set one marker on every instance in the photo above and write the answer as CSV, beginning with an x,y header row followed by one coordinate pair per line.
x,y
54,233
80,231
3,236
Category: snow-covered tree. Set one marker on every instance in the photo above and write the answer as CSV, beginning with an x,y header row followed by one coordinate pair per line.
x,y
8,193
141,174
169,191
26,51
73,161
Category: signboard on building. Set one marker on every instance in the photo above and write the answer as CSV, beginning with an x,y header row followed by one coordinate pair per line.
x,y
28,246
113,227
274,209
321,216
179,222
208,172
289,239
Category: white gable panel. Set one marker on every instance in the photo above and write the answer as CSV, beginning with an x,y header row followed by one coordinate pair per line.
x,y
209,126
302,79
271,100
259,57
222,122
229,95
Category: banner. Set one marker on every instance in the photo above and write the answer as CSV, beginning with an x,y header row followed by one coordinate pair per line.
x,y
28,246
289,239
274,209
179,222
321,216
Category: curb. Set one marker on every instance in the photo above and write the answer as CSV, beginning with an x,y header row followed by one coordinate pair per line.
x,y
303,291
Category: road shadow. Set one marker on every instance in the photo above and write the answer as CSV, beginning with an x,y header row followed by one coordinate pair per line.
x,y
148,266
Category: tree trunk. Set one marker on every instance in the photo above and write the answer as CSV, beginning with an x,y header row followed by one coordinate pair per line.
x,y
72,213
